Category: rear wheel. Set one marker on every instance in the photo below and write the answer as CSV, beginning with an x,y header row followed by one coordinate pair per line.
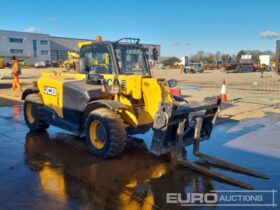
x,y
105,133
32,113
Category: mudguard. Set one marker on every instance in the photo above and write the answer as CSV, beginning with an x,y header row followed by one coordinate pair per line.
x,y
104,103
29,91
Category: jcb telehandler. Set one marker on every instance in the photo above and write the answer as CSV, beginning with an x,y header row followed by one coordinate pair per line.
x,y
116,95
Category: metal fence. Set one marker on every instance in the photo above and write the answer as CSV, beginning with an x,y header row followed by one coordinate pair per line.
x,y
263,91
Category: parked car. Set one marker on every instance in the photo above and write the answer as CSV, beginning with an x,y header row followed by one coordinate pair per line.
x,y
230,65
246,68
40,64
194,67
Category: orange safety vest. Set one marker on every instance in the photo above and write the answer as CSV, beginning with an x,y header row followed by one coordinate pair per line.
x,y
15,65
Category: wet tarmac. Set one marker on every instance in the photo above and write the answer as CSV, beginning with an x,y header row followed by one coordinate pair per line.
x,y
54,170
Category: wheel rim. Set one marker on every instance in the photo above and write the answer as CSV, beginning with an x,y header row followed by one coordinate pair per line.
x,y
97,134
29,114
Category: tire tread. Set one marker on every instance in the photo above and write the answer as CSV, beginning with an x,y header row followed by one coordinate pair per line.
x,y
117,130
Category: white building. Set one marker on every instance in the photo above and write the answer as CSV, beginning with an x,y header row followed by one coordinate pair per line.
x,y
28,46
265,60
60,46
34,47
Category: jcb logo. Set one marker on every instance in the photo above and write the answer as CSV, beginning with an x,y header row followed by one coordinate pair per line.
x,y
50,90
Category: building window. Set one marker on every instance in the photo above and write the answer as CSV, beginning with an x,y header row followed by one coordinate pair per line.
x,y
16,51
44,42
44,52
63,54
35,48
16,40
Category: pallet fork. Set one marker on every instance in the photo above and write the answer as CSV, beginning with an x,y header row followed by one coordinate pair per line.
x,y
192,132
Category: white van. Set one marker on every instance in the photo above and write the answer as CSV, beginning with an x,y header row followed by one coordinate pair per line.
x,y
194,67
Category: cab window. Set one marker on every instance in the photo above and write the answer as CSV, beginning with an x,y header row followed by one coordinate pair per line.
x,y
131,60
99,59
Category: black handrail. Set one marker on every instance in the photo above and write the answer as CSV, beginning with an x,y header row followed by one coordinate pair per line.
x,y
129,40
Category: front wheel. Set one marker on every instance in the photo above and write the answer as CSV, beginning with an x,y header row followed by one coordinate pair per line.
x,y
33,115
105,133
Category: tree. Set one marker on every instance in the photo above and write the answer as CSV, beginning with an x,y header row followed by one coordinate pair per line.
x,y
200,55
218,55
225,57
239,54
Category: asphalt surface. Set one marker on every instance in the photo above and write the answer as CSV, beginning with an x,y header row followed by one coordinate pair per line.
x,y
54,170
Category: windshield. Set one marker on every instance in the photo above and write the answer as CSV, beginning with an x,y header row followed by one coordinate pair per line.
x,y
131,59
99,59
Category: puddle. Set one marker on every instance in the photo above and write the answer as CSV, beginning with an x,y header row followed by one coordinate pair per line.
x,y
54,170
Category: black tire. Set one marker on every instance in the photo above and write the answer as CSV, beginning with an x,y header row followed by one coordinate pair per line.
x,y
112,124
33,103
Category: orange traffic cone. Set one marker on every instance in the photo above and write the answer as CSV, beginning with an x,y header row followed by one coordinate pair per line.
x,y
224,92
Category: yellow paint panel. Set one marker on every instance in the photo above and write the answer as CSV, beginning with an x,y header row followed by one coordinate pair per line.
x,y
55,102
154,93
128,115
133,85
109,78
80,44
56,80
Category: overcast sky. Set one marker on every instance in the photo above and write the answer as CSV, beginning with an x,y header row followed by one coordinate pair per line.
x,y
181,27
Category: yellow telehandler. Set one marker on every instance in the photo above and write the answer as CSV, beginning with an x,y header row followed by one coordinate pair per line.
x,y
72,61
115,95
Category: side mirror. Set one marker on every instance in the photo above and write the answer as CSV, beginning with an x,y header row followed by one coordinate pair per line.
x,y
84,65
172,83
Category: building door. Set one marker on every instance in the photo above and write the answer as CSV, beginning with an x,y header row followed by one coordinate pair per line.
x,y
54,55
